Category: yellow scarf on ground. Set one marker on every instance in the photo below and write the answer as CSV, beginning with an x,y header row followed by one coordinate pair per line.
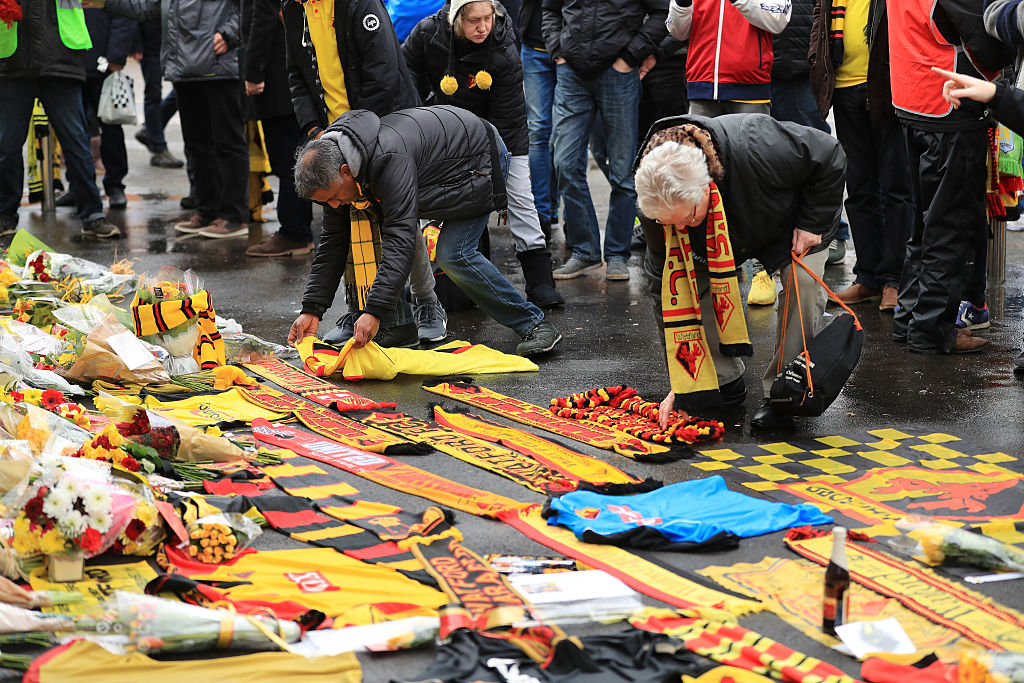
x,y
160,317
690,367
374,362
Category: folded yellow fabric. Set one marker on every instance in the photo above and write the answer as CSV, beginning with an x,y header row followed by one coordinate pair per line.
x,y
200,411
374,362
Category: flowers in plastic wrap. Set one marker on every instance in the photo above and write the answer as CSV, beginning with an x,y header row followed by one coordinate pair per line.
x,y
990,667
37,267
145,531
67,516
139,428
936,543
110,446
155,625
217,538
171,285
112,351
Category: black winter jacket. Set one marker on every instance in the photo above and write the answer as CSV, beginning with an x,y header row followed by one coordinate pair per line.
x,y
40,52
426,53
428,162
778,176
592,34
112,38
792,45
263,59
376,77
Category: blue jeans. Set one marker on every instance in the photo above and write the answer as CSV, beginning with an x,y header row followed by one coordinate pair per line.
x,y
539,82
577,100
62,100
458,255
793,100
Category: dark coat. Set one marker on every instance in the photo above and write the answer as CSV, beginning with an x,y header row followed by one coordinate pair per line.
x,y
428,162
592,34
778,176
40,52
792,45
426,53
263,58
376,77
112,38
188,27
1008,107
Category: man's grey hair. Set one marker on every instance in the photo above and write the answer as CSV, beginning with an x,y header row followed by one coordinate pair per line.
x,y
671,174
317,166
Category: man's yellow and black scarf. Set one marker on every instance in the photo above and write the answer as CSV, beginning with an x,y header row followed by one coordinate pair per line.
x,y
363,253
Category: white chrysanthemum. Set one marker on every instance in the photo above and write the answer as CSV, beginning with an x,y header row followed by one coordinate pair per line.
x,y
96,500
57,504
102,521
74,523
68,485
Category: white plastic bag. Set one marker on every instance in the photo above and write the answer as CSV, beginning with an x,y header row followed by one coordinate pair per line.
x,y
117,100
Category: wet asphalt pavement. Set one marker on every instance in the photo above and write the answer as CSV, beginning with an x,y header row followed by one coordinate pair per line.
x,y
610,338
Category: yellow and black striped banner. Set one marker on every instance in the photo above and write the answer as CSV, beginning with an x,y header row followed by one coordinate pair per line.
x,y
312,388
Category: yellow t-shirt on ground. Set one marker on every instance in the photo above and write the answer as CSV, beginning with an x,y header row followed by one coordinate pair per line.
x,y
320,19
854,69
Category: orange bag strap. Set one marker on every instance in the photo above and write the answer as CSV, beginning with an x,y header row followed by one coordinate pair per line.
x,y
832,295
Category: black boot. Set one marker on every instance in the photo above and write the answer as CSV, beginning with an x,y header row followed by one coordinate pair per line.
x,y
540,286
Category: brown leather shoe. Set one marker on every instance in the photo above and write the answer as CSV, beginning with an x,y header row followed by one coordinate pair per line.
x,y
858,293
279,245
889,299
194,224
966,342
221,228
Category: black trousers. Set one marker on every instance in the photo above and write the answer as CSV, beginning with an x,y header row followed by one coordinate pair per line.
x,y
879,203
947,175
282,137
112,151
214,135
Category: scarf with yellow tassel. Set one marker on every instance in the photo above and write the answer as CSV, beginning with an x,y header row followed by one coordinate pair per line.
x,y
160,317
364,252
690,367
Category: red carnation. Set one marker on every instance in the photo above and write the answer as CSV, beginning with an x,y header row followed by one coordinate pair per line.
x,y
135,529
51,398
43,277
34,507
130,464
90,540
17,396
102,442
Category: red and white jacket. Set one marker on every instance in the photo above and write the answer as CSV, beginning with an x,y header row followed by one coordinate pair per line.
x,y
730,54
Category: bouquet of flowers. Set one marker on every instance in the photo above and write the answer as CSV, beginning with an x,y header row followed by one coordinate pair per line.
x,y
111,447
158,625
990,667
146,529
138,428
157,293
217,538
37,267
936,543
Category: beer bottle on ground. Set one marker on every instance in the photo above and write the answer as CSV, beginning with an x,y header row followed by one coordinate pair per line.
x,y
837,585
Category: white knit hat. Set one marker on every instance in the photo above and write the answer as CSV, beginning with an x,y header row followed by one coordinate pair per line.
x,y
454,8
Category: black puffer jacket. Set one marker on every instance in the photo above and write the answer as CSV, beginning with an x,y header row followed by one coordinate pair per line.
x,y
263,58
592,34
40,52
792,45
778,176
426,53
376,77
427,162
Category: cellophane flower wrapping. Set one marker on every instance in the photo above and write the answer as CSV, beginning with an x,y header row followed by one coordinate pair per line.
x,y
217,538
171,284
158,625
941,544
145,531
990,667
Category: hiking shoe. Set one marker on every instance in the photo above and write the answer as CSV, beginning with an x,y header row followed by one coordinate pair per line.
x,y
279,245
140,135
221,229
616,270
970,317
116,198
573,268
762,290
431,321
194,224
99,227
8,226
402,336
343,331
836,252
165,159
540,339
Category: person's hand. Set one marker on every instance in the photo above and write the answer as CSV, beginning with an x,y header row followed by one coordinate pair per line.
x,y
621,66
364,330
803,240
304,326
647,65
254,88
137,56
111,67
93,4
958,86
560,60
220,46
665,408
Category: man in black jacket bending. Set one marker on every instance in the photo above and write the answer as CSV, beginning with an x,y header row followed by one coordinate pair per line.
x,y
768,188
440,163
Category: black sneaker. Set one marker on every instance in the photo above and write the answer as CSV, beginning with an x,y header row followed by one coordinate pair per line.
x,y
734,393
140,135
400,336
8,226
99,227
343,330
540,339
116,198
187,202
64,199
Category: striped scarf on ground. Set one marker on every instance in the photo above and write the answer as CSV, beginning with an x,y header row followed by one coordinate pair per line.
x,y
160,317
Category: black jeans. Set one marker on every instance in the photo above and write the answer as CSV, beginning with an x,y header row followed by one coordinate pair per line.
x,y
152,75
214,135
879,203
282,137
112,151
947,175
